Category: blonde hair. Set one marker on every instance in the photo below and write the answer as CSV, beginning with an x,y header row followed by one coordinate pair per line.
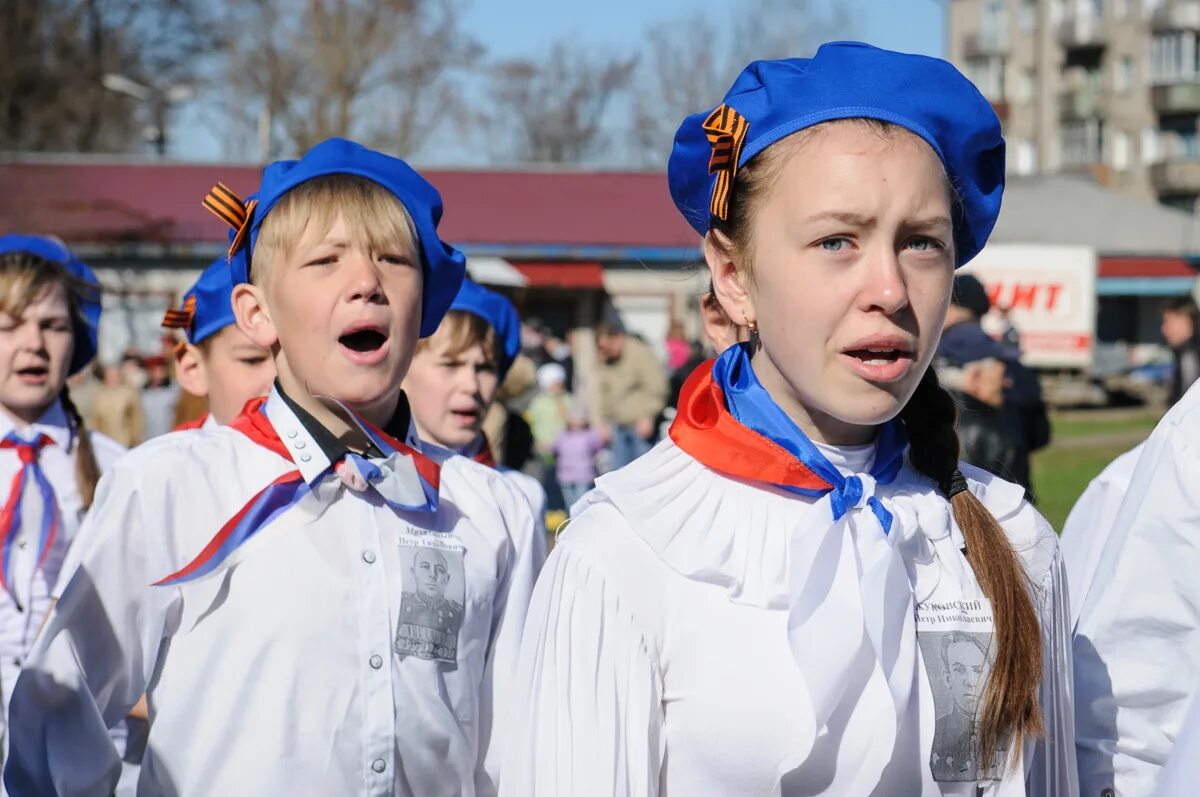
x,y
460,331
24,278
376,219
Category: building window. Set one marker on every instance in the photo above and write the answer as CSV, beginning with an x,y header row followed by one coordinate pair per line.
x,y
1185,202
1123,77
988,76
1120,151
1174,57
1151,146
1149,7
1026,86
1180,139
1024,159
1082,142
1027,16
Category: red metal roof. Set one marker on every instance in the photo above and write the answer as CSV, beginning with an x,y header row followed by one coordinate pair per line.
x,y
108,202
1144,267
562,275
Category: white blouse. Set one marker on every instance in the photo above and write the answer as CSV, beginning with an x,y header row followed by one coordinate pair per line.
x,y
684,638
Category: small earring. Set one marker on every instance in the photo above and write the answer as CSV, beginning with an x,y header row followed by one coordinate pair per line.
x,y
752,325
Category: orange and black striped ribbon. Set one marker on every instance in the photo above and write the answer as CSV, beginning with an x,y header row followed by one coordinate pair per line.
x,y
229,208
180,318
726,131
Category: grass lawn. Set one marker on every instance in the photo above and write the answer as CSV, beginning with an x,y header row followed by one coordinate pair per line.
x,y
1062,470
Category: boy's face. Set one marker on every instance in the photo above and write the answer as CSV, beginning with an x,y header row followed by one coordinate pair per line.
x,y
342,321
230,370
450,393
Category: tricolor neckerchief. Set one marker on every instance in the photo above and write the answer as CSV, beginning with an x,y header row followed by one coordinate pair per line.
x,y
729,423
192,425
404,478
484,455
10,517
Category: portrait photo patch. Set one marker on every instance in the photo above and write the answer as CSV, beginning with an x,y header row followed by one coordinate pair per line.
x,y
432,598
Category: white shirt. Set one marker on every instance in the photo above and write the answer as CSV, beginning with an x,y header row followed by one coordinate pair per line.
x,y
1137,641
1182,772
1088,526
657,657
33,590
278,674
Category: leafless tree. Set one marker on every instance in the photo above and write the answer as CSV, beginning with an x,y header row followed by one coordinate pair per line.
x,y
57,52
691,63
385,72
555,109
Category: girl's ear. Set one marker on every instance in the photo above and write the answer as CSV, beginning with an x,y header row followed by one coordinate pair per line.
x,y
253,315
729,283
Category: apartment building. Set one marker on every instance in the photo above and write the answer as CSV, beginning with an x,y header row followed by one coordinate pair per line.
x,y
1105,87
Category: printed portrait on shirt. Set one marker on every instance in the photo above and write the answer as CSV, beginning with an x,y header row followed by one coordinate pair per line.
x,y
958,663
432,598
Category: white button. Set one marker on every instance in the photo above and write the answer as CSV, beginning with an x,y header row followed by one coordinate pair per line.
x,y
369,557
305,457
299,444
379,765
21,543
376,662
292,433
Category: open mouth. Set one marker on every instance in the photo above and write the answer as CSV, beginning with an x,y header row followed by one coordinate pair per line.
x,y
33,373
879,356
363,341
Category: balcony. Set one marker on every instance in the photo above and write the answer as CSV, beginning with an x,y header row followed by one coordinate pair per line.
x,y
1177,15
1085,102
1177,98
986,43
1082,31
1178,176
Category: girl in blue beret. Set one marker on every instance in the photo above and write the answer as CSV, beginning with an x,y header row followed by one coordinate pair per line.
x,y
49,312
803,591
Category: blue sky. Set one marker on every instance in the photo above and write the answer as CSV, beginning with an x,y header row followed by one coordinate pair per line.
x,y
526,28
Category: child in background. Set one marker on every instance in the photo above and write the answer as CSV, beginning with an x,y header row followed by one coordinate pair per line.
x,y
217,361
49,312
455,376
575,451
551,407
310,605
116,410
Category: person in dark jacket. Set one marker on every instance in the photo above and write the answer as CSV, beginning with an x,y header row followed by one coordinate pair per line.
x,y
1179,330
998,438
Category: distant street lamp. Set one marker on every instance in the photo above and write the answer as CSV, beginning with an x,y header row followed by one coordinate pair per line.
x,y
160,101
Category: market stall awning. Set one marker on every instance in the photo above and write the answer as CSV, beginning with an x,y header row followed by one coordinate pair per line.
x,y
495,271
563,274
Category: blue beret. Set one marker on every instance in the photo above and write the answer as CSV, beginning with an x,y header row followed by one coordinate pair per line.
x,y
499,313
88,291
207,306
442,264
844,80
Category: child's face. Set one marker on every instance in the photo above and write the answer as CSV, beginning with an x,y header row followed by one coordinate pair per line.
x,y
35,353
345,320
230,370
450,393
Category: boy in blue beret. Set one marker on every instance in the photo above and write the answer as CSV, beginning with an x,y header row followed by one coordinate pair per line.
x,y
453,381
216,361
311,605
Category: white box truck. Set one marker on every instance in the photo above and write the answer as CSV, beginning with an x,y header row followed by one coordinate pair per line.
x,y
1050,293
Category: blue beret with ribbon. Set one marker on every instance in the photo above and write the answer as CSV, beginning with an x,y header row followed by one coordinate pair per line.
x,y
773,99
499,312
442,264
207,306
86,289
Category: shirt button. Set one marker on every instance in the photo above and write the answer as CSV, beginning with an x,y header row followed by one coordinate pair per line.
x,y
369,557
21,543
379,765
305,457
300,444
292,434
376,662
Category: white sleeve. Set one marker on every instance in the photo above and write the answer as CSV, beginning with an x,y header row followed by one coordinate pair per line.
x,y
1137,642
511,604
95,656
588,721
1052,770
1087,530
